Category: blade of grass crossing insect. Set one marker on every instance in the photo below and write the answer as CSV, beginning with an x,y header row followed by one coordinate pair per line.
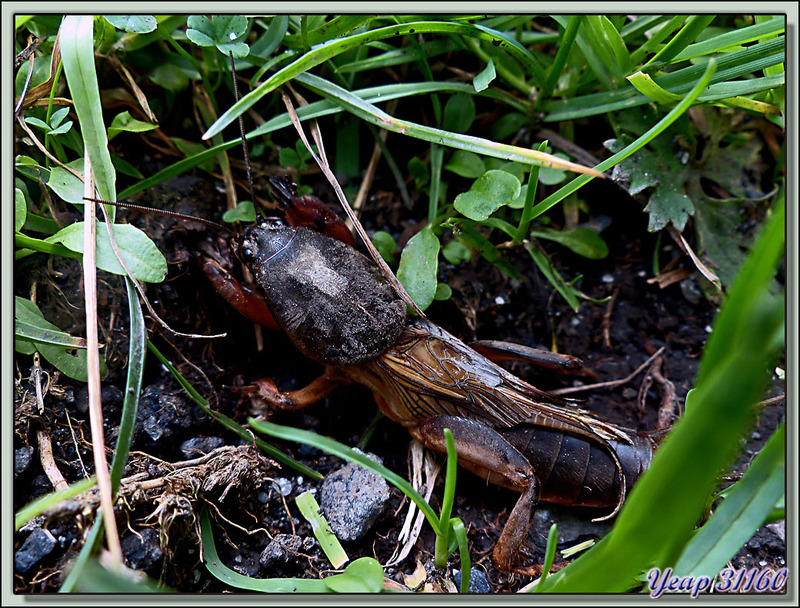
x,y
686,467
342,451
227,422
742,512
442,550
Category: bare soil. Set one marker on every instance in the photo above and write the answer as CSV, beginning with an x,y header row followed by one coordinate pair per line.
x,y
631,319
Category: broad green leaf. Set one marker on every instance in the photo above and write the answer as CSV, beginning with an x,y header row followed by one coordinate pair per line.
x,y
508,124
201,30
551,176
456,252
58,116
125,122
459,113
66,184
385,244
519,202
169,76
71,364
38,123
142,257
224,32
243,212
583,241
288,158
466,164
364,575
488,193
419,171
61,129
418,265
668,204
443,292
20,209
134,24
485,77
30,168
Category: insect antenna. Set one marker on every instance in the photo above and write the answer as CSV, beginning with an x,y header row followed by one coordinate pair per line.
x,y
167,213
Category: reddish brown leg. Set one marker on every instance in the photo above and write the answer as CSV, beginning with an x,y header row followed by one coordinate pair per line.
x,y
268,395
506,552
490,455
242,298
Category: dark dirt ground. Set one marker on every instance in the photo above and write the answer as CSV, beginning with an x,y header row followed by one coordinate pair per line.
x,y
158,526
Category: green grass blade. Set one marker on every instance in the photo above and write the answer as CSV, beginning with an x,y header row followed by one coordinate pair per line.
x,y
736,37
549,556
43,503
376,116
564,48
398,56
77,53
744,510
460,534
228,422
270,585
317,109
331,446
606,46
328,542
333,28
442,550
642,141
655,40
336,47
737,64
686,467
688,34
133,385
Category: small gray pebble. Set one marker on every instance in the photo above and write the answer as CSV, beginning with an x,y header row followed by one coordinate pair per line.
x,y
478,582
